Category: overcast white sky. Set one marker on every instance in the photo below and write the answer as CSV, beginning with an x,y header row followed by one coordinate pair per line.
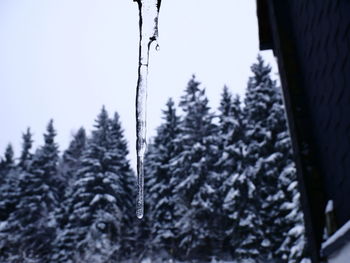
x,y
65,59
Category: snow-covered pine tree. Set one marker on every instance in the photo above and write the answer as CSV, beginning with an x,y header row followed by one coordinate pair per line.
x,y
71,158
9,191
259,138
68,166
8,200
293,248
7,163
9,159
44,166
26,229
97,205
229,167
10,196
267,155
289,217
159,199
191,175
8,175
118,148
7,170
26,155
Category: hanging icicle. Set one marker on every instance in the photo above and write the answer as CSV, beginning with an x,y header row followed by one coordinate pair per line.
x,y
148,21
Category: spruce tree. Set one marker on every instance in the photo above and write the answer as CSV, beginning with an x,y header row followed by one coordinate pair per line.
x,y
272,185
289,218
9,157
191,172
98,204
26,155
27,233
8,201
229,167
7,163
9,191
67,170
267,154
118,148
293,247
71,158
8,177
259,101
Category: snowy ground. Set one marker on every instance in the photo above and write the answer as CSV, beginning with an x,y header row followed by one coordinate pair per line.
x,y
174,261
212,261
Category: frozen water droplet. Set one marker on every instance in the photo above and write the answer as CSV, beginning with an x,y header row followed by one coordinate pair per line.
x,y
148,12
157,47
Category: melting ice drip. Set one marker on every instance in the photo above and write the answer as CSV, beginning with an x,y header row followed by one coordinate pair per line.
x,y
148,15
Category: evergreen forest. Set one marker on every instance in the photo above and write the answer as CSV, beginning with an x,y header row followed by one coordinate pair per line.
x,y
220,186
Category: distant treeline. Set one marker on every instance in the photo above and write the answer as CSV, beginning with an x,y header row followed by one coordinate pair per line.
x,y
218,186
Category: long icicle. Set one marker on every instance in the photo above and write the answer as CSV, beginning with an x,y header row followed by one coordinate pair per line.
x,y
148,22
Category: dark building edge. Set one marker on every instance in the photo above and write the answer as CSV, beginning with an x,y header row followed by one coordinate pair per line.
x,y
275,33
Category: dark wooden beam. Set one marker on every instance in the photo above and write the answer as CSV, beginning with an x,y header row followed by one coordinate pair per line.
x,y
265,37
309,178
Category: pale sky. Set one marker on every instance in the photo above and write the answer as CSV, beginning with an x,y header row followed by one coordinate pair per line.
x,y
65,59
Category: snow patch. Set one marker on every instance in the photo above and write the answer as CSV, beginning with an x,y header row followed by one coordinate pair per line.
x,y
3,225
341,232
99,197
329,207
